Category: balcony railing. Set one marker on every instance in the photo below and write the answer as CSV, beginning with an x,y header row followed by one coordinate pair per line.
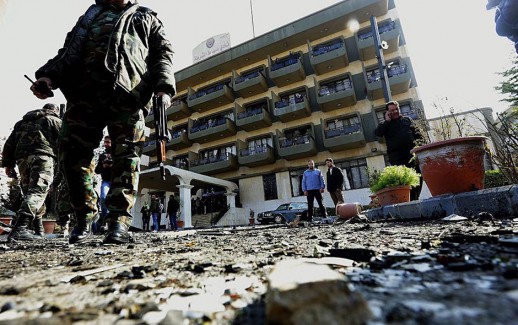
x,y
206,91
285,62
395,70
386,27
334,87
295,141
205,126
255,150
349,129
326,48
250,112
246,77
285,102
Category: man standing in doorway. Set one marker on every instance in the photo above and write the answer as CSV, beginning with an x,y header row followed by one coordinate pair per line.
x,y
313,186
156,211
146,214
104,167
400,135
112,63
172,210
335,182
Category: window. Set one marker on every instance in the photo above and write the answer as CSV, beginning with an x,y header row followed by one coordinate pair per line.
x,y
355,172
296,182
270,187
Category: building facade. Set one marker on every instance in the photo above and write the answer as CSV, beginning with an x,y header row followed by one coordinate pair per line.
x,y
256,113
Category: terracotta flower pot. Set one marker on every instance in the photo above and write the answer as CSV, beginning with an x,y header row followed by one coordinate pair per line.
x,y
6,220
394,195
48,226
348,210
452,166
179,223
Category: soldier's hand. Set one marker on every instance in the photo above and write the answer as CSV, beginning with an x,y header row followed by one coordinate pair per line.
x,y
166,99
42,88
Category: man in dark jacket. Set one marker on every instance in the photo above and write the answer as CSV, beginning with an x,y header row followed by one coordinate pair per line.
x,y
400,136
335,181
172,209
32,145
113,61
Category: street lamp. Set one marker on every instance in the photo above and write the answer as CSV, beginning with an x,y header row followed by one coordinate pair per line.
x,y
379,47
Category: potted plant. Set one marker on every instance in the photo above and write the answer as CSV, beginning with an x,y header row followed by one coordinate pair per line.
x,y
392,185
452,166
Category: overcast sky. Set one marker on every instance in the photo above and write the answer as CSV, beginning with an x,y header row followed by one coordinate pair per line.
x,y
452,43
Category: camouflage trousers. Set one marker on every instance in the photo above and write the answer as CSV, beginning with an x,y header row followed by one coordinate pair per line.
x,y
81,133
36,177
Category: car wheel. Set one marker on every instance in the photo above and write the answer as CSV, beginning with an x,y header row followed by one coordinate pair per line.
x,y
278,219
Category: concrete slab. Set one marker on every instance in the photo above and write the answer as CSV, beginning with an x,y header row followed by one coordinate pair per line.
x,y
500,202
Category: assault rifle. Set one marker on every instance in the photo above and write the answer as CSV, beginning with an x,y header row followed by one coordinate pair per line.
x,y
161,133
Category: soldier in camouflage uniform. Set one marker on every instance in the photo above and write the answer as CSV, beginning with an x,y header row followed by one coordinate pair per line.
x,y
32,146
113,61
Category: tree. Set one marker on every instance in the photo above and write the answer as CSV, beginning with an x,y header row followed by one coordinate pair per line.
x,y
509,86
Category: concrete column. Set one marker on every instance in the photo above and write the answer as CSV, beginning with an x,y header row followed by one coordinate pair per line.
x,y
185,204
231,199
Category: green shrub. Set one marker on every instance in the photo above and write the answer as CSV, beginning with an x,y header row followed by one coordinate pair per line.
x,y
393,176
495,178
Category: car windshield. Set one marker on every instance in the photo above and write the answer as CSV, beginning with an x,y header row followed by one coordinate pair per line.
x,y
300,206
283,207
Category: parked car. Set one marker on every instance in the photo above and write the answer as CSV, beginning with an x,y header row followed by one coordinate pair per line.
x,y
286,212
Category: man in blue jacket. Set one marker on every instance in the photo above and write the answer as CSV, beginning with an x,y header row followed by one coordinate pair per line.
x,y
313,186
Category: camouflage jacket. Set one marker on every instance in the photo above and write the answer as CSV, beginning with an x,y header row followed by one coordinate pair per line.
x,y
36,134
139,56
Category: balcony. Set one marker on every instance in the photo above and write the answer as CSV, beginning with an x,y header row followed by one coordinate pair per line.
x,y
210,98
253,117
343,138
178,110
297,147
287,70
180,140
250,84
336,95
399,79
389,32
292,109
149,148
256,156
214,164
329,56
220,128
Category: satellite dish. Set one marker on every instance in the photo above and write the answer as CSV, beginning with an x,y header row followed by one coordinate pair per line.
x,y
384,45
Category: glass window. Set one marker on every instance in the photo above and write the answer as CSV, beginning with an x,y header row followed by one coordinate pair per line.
x,y
296,182
270,187
355,172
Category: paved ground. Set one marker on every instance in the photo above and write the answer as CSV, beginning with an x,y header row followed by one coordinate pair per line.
x,y
432,272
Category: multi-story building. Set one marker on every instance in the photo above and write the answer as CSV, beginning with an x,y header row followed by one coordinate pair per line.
x,y
311,89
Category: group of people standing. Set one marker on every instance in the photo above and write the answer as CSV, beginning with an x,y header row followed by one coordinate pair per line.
x,y
401,136
114,60
155,210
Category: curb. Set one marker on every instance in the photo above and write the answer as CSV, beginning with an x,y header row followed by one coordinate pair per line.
x,y
501,202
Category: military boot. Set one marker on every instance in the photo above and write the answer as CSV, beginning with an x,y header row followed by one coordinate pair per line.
x,y
82,231
21,230
118,230
37,225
